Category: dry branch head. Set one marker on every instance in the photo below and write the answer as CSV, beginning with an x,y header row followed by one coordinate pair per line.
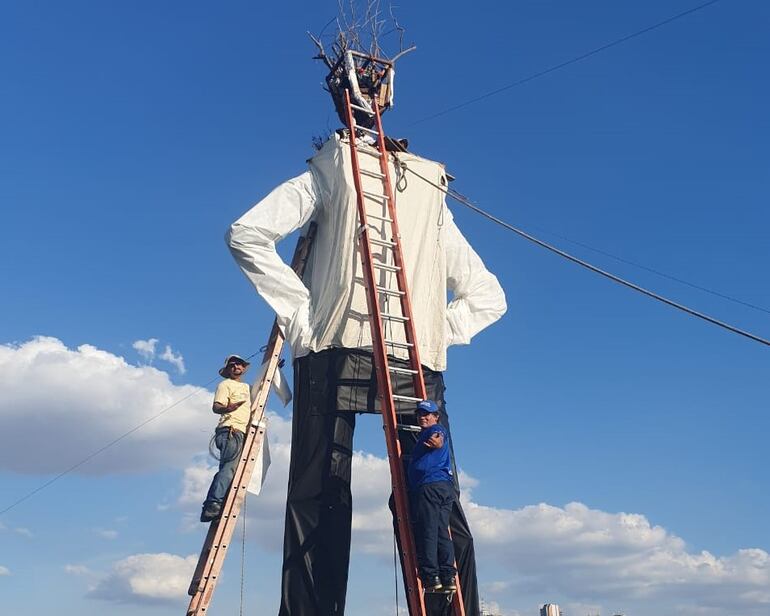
x,y
357,62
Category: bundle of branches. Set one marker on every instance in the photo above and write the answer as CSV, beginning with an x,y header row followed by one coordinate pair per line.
x,y
357,61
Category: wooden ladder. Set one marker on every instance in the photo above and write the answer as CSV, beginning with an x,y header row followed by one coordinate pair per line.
x,y
221,530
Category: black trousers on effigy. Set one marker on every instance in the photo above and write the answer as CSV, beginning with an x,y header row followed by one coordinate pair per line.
x,y
330,387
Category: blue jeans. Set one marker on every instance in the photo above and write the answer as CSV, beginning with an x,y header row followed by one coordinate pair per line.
x,y
229,442
431,505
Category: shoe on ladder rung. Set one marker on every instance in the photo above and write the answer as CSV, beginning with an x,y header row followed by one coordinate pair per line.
x,y
449,584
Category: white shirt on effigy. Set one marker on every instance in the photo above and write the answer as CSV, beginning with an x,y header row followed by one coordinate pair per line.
x,y
327,308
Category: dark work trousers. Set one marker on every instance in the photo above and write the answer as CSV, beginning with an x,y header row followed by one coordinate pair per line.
x,y
431,504
462,540
330,387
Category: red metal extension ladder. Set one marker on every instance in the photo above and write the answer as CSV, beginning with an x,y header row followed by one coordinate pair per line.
x,y
382,259
220,532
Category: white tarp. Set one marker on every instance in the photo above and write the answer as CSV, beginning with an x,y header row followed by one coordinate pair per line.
x,y
261,464
279,385
328,307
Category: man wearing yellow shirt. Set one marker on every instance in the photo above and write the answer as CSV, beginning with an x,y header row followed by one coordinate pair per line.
x,y
232,401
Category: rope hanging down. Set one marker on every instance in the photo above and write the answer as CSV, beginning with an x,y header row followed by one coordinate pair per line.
x,y
243,551
395,572
467,203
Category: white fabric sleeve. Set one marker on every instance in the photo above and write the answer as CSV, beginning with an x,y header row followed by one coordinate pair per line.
x,y
478,299
252,240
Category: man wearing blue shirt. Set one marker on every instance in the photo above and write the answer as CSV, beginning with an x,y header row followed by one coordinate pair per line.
x,y
431,495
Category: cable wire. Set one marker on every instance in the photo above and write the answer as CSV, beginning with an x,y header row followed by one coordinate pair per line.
x,y
115,441
395,570
654,271
467,203
104,448
566,63
243,550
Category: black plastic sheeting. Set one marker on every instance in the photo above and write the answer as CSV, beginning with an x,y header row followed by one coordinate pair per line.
x,y
330,387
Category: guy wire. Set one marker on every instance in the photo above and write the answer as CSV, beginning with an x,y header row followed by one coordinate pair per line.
x,y
467,203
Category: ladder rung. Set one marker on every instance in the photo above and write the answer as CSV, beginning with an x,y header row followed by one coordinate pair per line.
x,y
408,428
387,267
371,131
368,150
372,195
373,174
402,370
394,293
387,243
394,317
400,345
382,218
406,398
364,109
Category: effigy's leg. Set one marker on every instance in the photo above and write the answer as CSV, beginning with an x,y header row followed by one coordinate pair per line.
x,y
318,507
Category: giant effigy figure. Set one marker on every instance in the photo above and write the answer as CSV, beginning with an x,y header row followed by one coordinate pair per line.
x,y
324,317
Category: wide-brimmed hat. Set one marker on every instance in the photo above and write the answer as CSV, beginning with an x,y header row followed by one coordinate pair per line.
x,y
426,406
229,360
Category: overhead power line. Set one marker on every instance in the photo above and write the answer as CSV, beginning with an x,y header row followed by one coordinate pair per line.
x,y
103,449
467,203
656,272
566,63
115,441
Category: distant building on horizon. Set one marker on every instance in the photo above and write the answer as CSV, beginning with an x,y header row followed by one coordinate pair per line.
x,y
550,609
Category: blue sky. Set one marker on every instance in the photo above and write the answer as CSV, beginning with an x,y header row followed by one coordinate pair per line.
x,y
133,134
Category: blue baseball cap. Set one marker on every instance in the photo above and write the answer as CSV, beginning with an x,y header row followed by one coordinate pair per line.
x,y
427,406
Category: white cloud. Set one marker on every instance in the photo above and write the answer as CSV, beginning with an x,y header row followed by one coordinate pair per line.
x,y
590,609
579,557
496,586
372,530
83,398
593,556
77,570
146,578
146,348
573,555
4,570
106,533
175,359
23,531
